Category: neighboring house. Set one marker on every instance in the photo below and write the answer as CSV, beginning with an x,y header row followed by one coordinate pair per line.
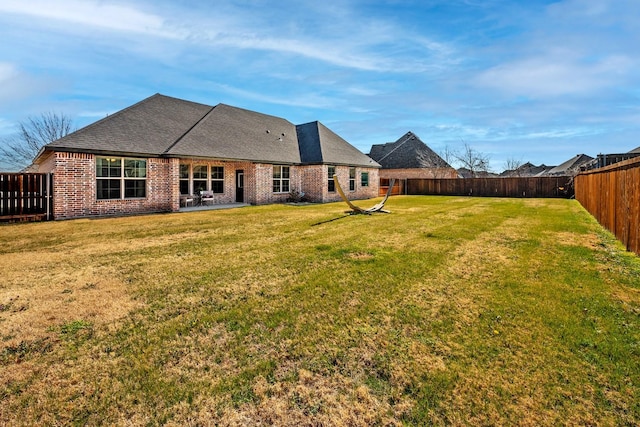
x,y
603,160
146,156
570,167
409,157
467,173
527,170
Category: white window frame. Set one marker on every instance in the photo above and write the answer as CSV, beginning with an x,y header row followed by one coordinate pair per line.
x,y
221,180
331,184
352,179
123,177
364,182
187,179
280,179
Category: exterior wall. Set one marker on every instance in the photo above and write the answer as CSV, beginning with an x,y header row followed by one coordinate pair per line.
x,y
230,168
343,178
418,173
47,165
74,189
313,183
263,174
75,185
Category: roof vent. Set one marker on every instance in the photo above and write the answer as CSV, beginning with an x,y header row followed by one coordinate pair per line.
x,y
268,131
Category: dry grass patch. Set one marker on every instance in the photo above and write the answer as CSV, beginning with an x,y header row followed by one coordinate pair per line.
x,y
45,291
589,240
449,311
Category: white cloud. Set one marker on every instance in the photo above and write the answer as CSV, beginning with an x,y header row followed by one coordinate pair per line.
x,y
313,49
6,126
555,75
7,72
112,17
339,39
307,101
15,84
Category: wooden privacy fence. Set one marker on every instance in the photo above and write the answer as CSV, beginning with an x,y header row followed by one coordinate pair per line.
x,y
540,187
26,196
610,194
398,187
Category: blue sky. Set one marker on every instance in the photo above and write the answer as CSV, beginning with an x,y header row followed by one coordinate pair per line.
x,y
533,80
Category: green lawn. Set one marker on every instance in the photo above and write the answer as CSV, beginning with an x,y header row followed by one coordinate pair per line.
x,y
448,311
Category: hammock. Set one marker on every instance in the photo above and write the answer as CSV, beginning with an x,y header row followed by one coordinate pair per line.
x,y
358,210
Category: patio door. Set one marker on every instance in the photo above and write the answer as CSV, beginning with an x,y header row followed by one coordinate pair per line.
x,y
240,186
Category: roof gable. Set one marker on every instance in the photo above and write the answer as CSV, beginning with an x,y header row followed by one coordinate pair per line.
x,y
147,128
408,152
234,133
570,165
163,126
319,144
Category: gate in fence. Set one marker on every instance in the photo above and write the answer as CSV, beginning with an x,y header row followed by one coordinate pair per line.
x,y
26,196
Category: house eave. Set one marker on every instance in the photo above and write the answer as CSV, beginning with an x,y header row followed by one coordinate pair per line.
x,y
104,152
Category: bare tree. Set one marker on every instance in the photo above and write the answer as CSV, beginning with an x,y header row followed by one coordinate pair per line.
x,y
473,160
447,154
20,149
445,170
513,165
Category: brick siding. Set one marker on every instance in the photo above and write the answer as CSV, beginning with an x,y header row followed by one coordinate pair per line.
x,y
75,185
74,188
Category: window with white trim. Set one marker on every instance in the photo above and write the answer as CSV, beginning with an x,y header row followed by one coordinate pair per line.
x,y
352,179
331,184
217,179
184,179
121,178
280,179
199,178
364,179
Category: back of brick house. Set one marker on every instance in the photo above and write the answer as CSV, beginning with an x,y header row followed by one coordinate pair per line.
x,y
150,156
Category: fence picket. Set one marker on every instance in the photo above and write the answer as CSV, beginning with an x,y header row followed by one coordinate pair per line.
x,y
610,194
560,186
25,196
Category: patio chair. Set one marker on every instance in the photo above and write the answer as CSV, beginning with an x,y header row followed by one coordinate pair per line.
x,y
185,199
206,197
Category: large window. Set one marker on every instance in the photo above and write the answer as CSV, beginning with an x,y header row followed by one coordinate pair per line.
x,y
331,184
199,178
281,179
364,179
119,178
194,179
352,179
217,179
184,179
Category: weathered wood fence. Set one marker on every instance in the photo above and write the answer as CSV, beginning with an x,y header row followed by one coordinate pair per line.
x,y
398,187
26,196
612,195
535,187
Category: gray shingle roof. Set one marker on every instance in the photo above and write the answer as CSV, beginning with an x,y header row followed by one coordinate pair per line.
x,y
147,128
318,144
571,165
234,133
408,152
171,127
